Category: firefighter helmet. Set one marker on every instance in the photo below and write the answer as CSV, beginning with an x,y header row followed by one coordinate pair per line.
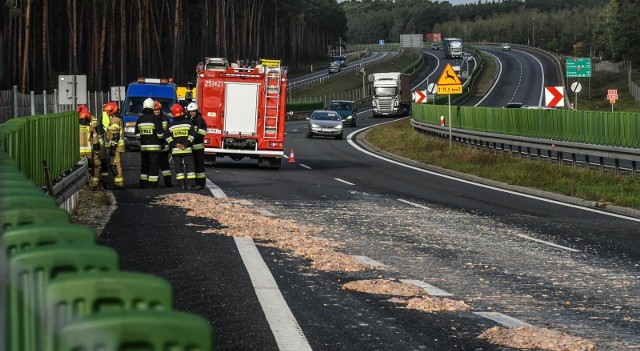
x,y
148,103
157,105
192,107
81,108
177,110
84,114
110,108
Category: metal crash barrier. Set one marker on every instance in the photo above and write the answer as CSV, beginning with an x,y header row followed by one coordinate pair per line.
x,y
60,290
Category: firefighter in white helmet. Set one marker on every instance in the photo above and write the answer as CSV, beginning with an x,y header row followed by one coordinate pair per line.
x,y
150,133
200,128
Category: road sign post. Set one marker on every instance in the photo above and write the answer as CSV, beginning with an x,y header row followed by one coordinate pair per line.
x,y
448,84
577,67
612,96
432,89
554,96
576,87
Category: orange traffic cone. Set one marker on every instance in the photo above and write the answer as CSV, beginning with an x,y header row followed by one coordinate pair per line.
x,y
292,158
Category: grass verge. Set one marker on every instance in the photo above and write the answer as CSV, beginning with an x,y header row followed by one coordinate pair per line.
x,y
599,83
401,139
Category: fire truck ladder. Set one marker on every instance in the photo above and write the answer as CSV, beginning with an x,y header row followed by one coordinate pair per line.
x,y
273,77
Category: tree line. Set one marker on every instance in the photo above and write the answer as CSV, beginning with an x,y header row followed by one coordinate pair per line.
x,y
606,29
115,41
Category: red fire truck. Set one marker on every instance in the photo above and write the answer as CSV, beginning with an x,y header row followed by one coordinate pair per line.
x,y
244,107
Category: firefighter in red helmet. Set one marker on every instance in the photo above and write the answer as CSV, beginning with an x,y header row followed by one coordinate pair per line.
x,y
114,143
180,136
90,143
163,156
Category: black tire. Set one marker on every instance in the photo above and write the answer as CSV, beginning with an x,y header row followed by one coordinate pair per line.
x,y
309,135
353,123
339,137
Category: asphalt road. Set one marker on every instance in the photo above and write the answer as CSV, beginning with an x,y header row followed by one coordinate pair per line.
x,y
542,262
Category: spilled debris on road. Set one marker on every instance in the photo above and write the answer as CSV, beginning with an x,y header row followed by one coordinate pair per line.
x,y
237,220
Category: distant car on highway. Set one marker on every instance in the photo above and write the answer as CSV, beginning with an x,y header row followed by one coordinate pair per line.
x,y
435,46
334,67
467,57
325,123
341,60
348,110
506,47
514,105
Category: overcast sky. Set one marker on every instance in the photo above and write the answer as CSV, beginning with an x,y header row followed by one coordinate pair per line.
x,y
459,2
453,2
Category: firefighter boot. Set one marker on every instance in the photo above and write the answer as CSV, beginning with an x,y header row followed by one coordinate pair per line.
x,y
183,184
167,181
199,184
144,183
191,184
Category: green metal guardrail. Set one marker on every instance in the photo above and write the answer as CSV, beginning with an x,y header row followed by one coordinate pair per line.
x,y
591,127
59,290
31,140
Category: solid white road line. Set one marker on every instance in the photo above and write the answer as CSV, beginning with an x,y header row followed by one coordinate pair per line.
x,y
430,289
503,319
383,158
285,328
304,166
343,181
283,324
215,190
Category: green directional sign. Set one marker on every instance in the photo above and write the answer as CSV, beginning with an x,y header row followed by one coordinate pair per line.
x,y
578,67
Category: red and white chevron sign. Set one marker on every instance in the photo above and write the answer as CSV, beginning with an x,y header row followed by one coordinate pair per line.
x,y
554,96
420,96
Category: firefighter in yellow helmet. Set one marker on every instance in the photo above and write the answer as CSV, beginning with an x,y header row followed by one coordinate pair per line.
x,y
90,143
114,143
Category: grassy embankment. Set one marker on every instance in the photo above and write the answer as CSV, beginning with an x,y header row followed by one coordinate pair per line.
x,y
622,190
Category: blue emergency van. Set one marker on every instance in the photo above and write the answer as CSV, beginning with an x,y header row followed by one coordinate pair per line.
x,y
162,90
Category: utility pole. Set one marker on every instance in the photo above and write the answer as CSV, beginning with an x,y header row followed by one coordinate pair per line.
x,y
361,70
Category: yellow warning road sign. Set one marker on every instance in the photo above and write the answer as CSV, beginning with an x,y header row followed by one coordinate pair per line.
x,y
448,77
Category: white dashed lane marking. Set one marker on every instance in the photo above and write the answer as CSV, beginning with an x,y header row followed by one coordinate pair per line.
x,y
547,243
369,261
343,181
503,319
414,204
430,289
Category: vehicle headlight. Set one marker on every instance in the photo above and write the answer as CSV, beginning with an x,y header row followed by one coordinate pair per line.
x,y
130,130
339,126
313,125
395,103
349,117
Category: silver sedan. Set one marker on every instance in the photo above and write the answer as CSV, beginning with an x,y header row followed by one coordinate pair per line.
x,y
325,123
